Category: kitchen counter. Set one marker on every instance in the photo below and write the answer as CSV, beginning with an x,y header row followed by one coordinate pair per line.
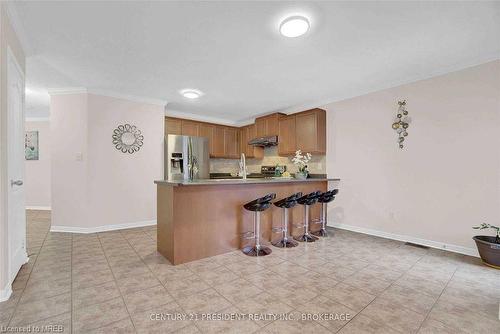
x,y
239,181
203,218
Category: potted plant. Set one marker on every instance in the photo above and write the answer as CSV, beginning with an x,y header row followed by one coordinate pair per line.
x,y
301,161
488,246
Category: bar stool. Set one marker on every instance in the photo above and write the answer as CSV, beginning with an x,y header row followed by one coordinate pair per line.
x,y
257,206
307,201
286,203
324,199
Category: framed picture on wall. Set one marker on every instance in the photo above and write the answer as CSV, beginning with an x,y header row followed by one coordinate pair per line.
x,y
31,145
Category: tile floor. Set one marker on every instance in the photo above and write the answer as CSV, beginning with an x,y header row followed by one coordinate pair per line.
x,y
115,282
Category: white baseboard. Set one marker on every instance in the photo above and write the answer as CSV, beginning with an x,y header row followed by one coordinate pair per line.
x,y
45,208
406,238
5,293
104,228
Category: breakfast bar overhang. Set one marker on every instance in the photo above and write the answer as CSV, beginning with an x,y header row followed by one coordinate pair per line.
x,y
202,218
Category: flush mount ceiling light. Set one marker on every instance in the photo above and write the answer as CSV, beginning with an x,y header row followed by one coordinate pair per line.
x,y
191,93
294,26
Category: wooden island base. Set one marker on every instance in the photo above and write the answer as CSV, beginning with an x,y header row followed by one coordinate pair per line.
x,y
201,220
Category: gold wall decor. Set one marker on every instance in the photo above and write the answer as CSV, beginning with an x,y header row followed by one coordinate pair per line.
x,y
401,123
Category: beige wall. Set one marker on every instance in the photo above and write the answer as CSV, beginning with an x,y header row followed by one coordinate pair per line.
x,y
121,188
94,186
68,130
37,179
8,40
445,181
316,166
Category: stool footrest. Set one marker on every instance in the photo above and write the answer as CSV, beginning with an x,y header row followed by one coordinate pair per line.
x,y
248,235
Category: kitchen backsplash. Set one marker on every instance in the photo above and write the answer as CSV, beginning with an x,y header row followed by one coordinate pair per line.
x,y
271,158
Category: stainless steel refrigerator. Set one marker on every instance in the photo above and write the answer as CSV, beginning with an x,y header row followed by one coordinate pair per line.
x,y
186,158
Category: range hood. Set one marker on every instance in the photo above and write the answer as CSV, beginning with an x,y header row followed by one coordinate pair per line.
x,y
264,141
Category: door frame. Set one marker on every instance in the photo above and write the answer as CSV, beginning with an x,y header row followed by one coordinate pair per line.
x,y
22,257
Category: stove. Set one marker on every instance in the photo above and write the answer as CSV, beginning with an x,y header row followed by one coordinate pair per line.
x,y
265,172
271,171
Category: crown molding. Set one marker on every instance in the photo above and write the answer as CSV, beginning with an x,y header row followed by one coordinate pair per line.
x,y
18,27
83,90
200,118
37,119
134,98
67,90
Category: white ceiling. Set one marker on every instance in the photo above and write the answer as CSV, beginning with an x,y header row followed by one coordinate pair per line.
x,y
232,51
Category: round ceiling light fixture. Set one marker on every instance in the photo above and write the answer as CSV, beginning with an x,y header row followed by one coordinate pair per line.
x,y
294,26
191,93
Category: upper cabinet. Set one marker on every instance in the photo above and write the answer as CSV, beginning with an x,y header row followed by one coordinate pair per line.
x,y
190,128
287,144
267,125
310,131
226,142
231,143
248,133
208,131
223,141
218,142
173,126
304,131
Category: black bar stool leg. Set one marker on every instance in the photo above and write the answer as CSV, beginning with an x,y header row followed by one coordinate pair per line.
x,y
306,237
257,249
285,241
322,232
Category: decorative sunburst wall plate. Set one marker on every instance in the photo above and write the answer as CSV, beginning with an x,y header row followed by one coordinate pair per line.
x,y
127,138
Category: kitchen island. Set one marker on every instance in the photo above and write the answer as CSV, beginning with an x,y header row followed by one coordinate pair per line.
x,y
202,218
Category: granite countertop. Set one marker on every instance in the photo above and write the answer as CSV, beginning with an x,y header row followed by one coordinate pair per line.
x,y
200,182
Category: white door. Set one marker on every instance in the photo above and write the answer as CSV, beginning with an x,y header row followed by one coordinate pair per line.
x,y
16,215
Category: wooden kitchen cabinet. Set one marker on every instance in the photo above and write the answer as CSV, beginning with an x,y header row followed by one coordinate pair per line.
x,y
225,142
231,144
218,145
304,131
248,133
260,126
310,131
267,125
208,130
190,128
287,144
173,126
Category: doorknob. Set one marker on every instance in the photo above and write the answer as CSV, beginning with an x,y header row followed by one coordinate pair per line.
x,y
16,183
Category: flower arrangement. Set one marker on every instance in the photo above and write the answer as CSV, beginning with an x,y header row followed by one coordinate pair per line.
x,y
301,160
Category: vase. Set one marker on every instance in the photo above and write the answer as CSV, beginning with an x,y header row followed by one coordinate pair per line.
x,y
301,175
